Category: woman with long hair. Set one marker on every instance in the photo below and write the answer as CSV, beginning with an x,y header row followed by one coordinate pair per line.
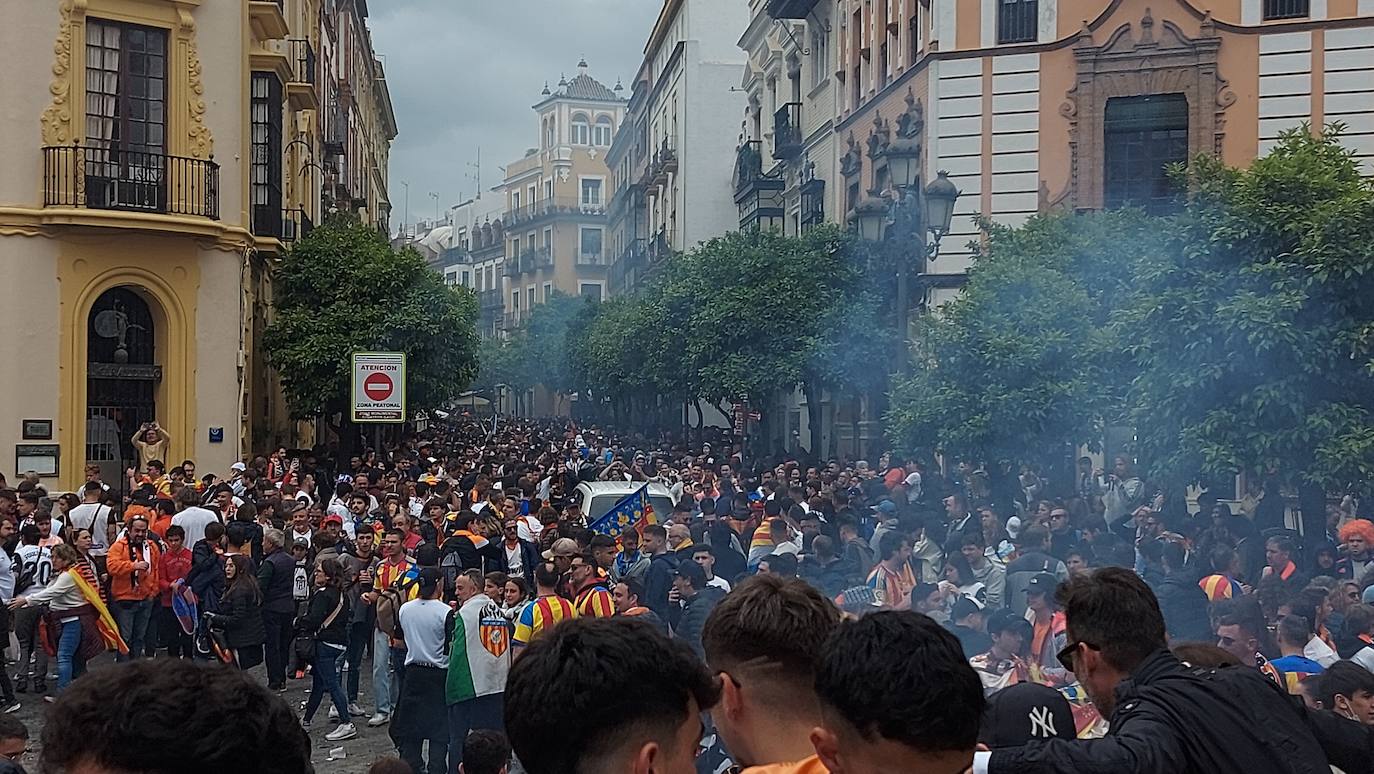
x,y
327,620
87,564
517,596
240,613
77,619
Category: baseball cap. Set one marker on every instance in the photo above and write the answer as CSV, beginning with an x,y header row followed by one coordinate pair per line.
x,y
300,543
1042,583
334,517
1024,712
1013,527
239,466
886,507
562,547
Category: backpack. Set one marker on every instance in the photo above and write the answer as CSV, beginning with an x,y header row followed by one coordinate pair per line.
x,y
23,574
389,605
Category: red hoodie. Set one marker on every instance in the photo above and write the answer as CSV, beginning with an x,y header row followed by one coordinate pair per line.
x,y
172,567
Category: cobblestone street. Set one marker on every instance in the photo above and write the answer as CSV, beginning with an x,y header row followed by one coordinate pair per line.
x,y
359,752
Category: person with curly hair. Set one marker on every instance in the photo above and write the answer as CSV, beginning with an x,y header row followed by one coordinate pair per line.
x,y
1357,542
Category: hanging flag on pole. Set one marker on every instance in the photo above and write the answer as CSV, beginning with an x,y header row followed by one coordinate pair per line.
x,y
634,512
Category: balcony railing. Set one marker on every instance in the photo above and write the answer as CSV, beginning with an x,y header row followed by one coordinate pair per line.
x,y
787,135
302,61
295,225
557,205
591,259
115,178
661,246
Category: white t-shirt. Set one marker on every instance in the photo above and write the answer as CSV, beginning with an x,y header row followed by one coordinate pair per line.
x,y
514,566
720,583
194,520
40,559
84,516
422,622
6,577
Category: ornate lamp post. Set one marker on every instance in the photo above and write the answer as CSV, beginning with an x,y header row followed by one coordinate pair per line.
x,y
907,213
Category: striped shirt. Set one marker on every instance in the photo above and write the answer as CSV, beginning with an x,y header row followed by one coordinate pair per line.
x,y
594,601
541,614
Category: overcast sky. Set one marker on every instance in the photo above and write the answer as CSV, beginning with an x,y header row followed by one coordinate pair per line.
x,y
464,74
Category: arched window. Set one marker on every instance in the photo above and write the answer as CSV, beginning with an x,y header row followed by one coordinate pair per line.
x,y
581,130
602,131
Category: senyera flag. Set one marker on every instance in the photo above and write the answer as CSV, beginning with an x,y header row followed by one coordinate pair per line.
x,y
633,512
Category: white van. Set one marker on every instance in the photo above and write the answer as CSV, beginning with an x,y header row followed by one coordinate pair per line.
x,y
599,497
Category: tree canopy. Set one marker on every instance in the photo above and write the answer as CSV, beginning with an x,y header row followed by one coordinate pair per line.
x,y
343,289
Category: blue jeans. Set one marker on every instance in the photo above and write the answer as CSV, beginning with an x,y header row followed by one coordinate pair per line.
x,y
69,664
325,679
359,636
132,619
382,693
465,716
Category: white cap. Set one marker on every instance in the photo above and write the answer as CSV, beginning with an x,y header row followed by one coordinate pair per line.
x,y
239,466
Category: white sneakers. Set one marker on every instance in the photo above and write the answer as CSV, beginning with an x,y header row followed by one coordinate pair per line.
x,y
353,709
380,719
344,731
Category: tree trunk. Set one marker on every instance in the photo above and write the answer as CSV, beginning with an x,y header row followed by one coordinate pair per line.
x,y
812,393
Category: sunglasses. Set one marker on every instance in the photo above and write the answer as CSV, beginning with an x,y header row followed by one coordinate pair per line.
x,y
1070,652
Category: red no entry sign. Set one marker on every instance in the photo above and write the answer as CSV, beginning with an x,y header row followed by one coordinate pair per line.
x,y
378,389
378,386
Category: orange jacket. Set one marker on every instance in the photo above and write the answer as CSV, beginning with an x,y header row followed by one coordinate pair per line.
x,y
121,568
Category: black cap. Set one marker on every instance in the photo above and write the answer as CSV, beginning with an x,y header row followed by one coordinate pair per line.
x,y
1024,712
1042,583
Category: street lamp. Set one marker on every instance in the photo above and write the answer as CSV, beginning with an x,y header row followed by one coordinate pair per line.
x,y
940,198
912,212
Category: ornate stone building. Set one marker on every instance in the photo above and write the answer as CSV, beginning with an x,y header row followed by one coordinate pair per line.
x,y
159,155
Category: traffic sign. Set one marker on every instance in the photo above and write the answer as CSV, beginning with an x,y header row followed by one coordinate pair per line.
x,y
379,387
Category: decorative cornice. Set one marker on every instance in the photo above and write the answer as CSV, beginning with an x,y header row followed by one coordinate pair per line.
x,y
54,222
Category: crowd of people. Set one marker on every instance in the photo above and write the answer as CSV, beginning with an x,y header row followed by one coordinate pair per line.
x,y
785,615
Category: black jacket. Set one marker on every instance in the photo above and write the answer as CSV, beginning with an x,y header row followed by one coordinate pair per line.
x,y
689,620
322,603
829,578
1171,717
1184,606
206,576
276,576
240,616
657,581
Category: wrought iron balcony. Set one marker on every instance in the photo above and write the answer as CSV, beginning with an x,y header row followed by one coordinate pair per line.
x,y
597,258
116,178
661,246
787,134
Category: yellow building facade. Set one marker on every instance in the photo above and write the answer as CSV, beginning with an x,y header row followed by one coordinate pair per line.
x,y
157,157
